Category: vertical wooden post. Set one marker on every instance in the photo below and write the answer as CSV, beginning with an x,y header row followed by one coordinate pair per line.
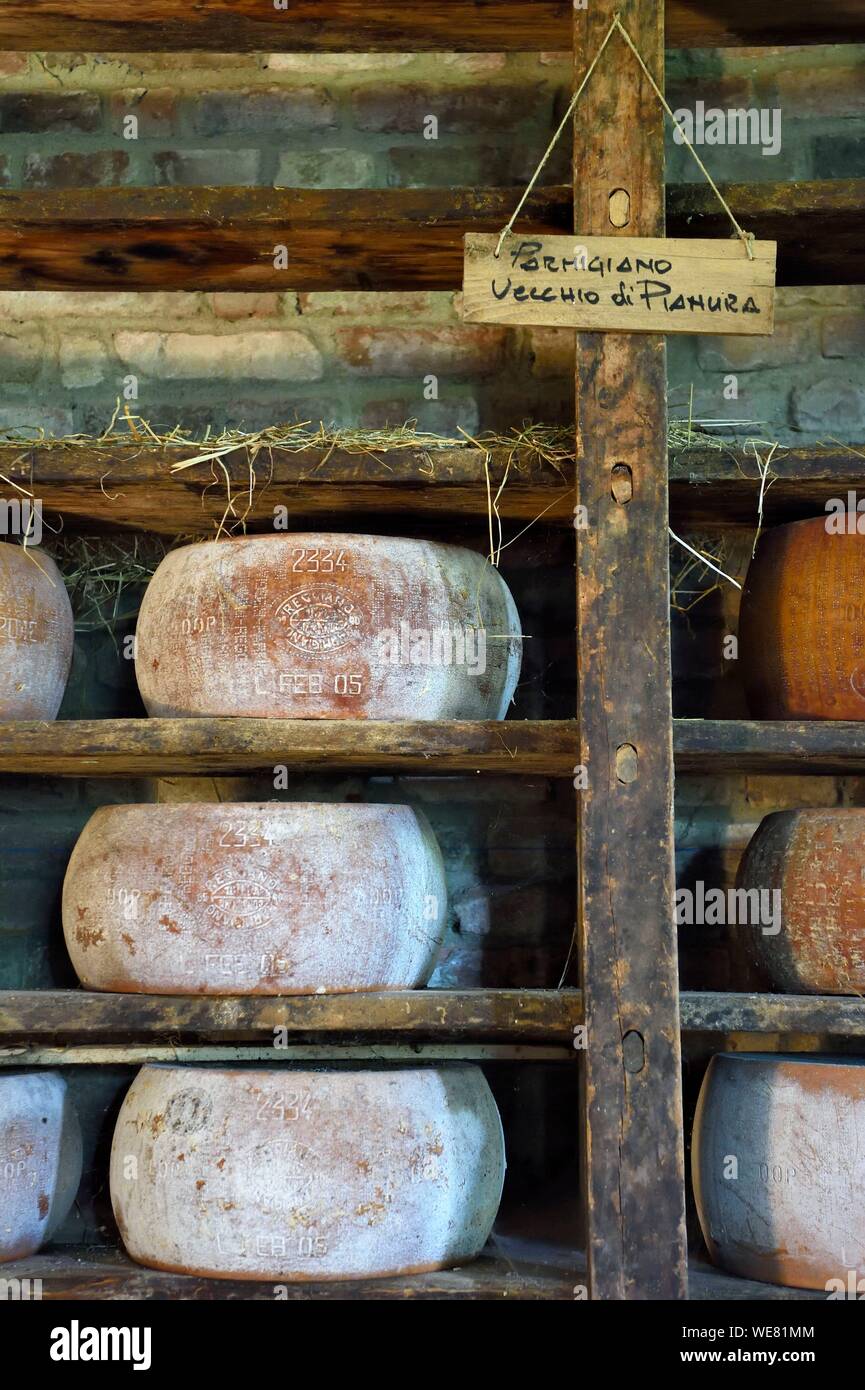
x,y
633,1155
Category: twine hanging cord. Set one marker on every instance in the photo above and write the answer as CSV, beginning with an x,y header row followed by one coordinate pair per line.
x,y
747,238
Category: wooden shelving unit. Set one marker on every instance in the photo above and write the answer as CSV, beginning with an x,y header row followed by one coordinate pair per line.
x,y
223,239
381,239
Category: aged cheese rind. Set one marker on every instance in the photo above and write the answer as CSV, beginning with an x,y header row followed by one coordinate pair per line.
x,y
291,1174
40,1160
778,1168
802,623
327,627
36,634
271,898
815,860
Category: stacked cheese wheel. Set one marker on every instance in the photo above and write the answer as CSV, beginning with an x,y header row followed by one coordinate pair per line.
x,y
802,622
36,634
328,627
40,1160
233,898
287,1174
778,1168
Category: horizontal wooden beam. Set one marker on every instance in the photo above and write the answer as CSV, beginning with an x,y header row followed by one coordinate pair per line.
x,y
226,747
105,487
773,1013
142,1054
98,1274
324,26
373,239
818,226
505,1270
132,485
721,487
31,1017
228,238
749,745
163,747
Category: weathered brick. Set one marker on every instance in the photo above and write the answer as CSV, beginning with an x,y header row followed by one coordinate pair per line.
x,y
280,111
325,169
446,417
438,164
237,305
833,403
839,156
402,108
844,335
40,113
265,355
737,353
373,304
460,351
11,64
827,91
101,169
21,355
317,65
207,168
155,111
25,305
36,419
83,361
471,64
723,90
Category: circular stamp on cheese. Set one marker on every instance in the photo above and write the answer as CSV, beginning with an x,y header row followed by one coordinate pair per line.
x,y
320,619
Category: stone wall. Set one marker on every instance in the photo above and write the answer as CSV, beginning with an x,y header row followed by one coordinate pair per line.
x,y
249,360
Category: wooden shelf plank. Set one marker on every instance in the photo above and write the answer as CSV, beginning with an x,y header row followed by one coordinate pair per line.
x,y
818,226
165,747
413,1016
710,487
834,1015
132,485
224,238
227,747
103,1273
373,239
324,26
749,745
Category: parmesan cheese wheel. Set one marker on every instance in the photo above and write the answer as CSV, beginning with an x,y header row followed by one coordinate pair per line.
x,y
778,1161
40,1160
36,634
328,627
815,861
285,1174
802,622
278,898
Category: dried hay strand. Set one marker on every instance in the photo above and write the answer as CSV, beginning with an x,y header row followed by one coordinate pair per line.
x,y
102,573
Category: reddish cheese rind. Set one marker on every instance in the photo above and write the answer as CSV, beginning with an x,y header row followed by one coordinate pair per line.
x,y
802,623
40,1160
271,898
777,1167
36,634
815,861
297,1174
318,626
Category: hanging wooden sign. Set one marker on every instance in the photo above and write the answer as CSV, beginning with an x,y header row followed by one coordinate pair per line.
x,y
620,284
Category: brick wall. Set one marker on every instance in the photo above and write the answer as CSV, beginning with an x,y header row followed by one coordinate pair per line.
x,y
362,121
